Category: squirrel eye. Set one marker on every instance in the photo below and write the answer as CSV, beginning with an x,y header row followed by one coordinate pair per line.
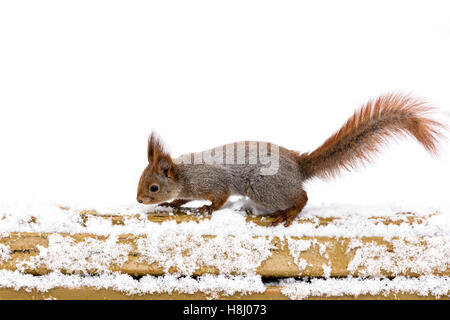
x,y
154,188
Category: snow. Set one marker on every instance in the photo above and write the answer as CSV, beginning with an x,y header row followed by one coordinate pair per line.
x,y
237,254
63,253
4,252
296,247
326,270
231,254
225,285
208,284
422,286
348,221
419,256
229,245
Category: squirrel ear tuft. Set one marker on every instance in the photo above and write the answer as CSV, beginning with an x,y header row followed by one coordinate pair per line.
x,y
154,146
158,157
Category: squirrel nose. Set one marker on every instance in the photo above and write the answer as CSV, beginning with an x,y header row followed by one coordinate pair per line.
x,y
139,200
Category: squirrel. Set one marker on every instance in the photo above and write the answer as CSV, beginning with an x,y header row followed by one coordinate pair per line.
x,y
196,177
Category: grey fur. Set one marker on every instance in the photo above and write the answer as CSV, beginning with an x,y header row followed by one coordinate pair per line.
x,y
198,181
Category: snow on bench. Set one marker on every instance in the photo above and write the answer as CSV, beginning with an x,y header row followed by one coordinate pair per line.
x,y
337,251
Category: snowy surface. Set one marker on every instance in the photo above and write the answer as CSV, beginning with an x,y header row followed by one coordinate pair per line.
x,y
420,244
351,221
213,286
422,286
209,284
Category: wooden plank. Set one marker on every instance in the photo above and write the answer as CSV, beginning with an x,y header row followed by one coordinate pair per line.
x,y
271,293
372,257
184,215
289,257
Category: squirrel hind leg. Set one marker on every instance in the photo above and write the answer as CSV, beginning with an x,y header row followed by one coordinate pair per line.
x,y
288,215
217,201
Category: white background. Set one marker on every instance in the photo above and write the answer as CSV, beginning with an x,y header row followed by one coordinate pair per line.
x,y
82,83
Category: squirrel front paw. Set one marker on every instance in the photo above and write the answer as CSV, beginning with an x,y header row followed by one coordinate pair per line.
x,y
165,204
174,204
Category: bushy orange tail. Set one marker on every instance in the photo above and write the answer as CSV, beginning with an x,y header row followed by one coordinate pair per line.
x,y
368,130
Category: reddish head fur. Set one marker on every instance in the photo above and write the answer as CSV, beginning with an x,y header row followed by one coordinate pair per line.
x,y
158,182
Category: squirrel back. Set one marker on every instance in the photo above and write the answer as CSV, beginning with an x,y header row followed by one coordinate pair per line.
x,y
368,130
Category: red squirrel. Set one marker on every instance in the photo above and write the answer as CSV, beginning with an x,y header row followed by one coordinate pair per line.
x,y
238,169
